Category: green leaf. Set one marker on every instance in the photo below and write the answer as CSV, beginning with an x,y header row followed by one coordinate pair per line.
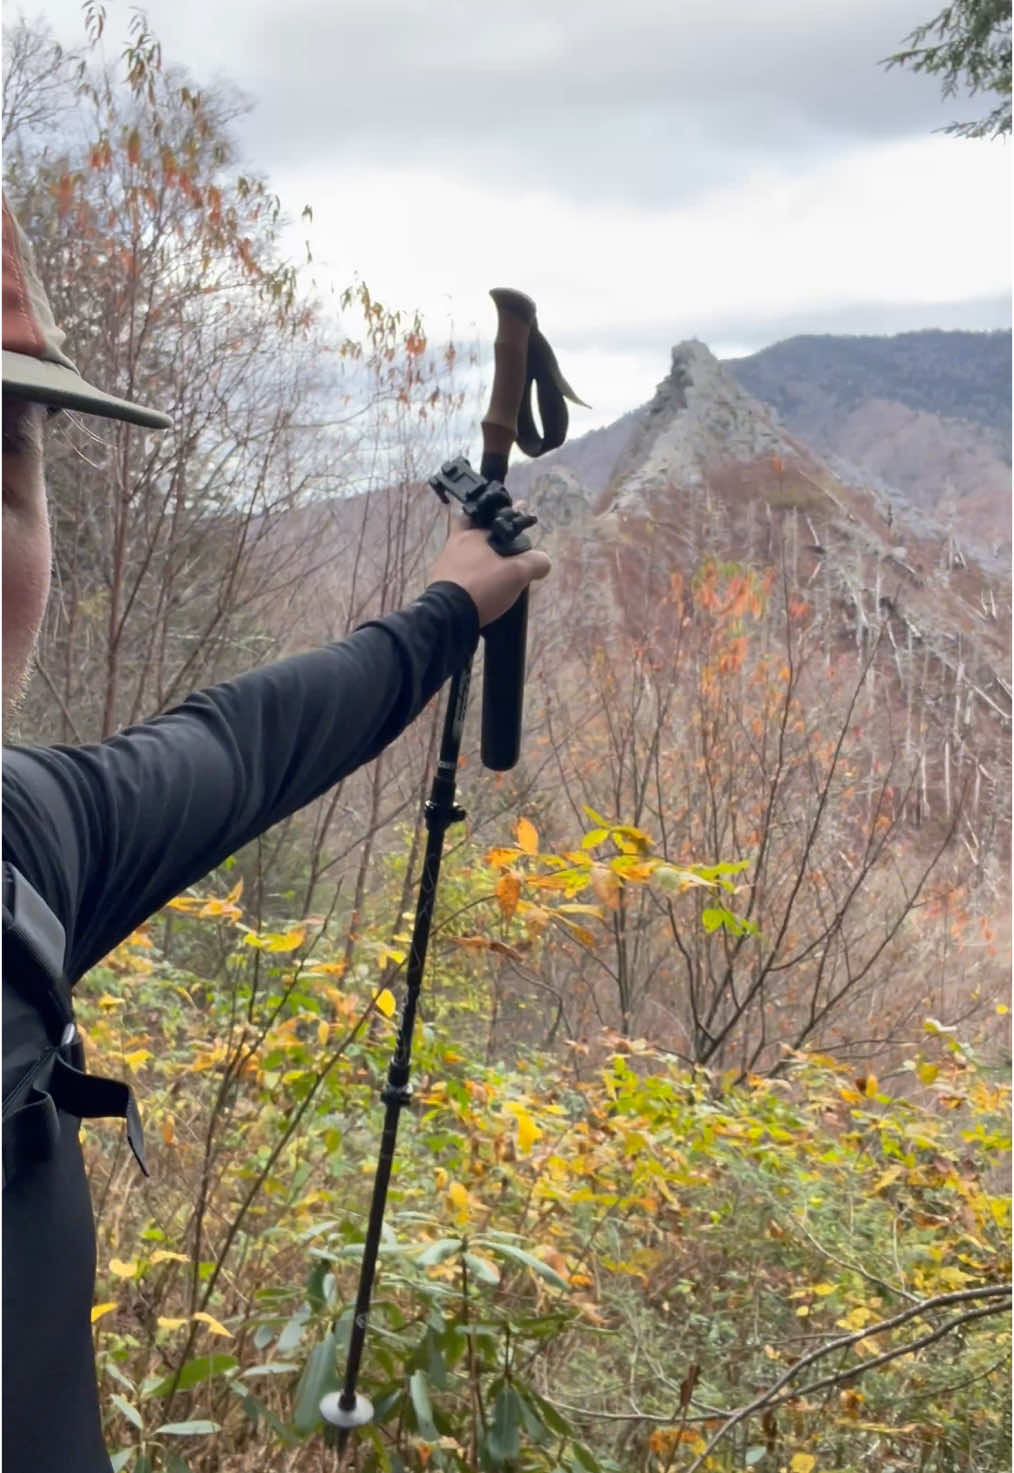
x,y
755,1454
112,1369
315,1286
439,1252
508,1250
594,837
534,1426
595,817
320,1375
434,1364
716,915
128,1409
201,1368
385,1405
175,1464
271,1368
418,1389
551,1416
120,1460
294,1331
198,1428
503,1441
584,1457
482,1269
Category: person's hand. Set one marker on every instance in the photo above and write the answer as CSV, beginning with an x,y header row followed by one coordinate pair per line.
x,y
493,582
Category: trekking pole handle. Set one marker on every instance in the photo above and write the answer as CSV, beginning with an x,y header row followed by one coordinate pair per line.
x,y
504,668
515,314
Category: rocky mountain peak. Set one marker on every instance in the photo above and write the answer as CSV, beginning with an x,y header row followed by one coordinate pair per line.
x,y
700,417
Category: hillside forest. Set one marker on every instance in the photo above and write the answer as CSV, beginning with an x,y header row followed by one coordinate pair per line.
x,y
707,1165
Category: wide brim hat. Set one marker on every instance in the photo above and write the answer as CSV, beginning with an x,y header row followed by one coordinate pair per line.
x,y
34,365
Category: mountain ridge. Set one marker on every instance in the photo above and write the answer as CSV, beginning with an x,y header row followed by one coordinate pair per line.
x,y
871,425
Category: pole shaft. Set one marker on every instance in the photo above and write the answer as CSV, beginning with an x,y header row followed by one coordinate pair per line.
x,y
441,812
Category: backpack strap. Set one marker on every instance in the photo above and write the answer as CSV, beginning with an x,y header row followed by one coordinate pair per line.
x,y
54,1080
34,943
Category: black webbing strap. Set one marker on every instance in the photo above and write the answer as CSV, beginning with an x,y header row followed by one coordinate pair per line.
x,y
53,1080
553,390
32,1130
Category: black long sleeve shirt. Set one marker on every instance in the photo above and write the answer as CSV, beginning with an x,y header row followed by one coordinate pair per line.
x,y
107,834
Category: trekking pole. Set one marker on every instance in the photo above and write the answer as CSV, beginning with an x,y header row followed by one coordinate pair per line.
x,y
488,504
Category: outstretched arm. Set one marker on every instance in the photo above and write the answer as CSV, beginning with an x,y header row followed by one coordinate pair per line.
x,y
108,833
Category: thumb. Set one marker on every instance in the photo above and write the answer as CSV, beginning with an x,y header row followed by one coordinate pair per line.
x,y
536,564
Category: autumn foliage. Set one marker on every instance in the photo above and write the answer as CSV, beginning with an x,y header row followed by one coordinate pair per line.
x,y
707,1161
602,1259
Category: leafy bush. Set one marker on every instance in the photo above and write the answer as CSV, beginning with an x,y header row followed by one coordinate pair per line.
x,y
593,1259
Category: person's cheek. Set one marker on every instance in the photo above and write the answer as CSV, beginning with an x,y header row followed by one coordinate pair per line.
x,y
27,556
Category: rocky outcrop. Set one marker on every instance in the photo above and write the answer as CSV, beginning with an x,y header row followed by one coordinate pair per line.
x,y
699,418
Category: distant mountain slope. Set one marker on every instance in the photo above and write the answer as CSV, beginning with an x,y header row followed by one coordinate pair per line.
x,y
959,375
926,413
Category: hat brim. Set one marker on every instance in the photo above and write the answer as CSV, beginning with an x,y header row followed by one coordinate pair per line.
x,y
51,383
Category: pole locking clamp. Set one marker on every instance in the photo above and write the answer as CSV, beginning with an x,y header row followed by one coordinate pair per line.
x,y
487,503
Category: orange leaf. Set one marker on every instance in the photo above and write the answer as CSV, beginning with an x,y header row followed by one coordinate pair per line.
x,y
606,885
528,836
472,943
508,891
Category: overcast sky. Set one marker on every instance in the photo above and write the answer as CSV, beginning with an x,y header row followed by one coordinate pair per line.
x,y
733,170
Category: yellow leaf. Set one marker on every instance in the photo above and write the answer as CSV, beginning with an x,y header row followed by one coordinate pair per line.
x,y
138,1057
458,1198
823,1289
188,904
287,940
581,934
927,1073
214,907
98,1310
631,840
501,858
215,1326
165,1255
166,1323
123,1270
527,835
384,1002
508,889
870,1086
106,1002
803,1463
323,1030
528,1131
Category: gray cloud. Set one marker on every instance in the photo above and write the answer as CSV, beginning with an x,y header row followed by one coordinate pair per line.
x,y
611,102
748,333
